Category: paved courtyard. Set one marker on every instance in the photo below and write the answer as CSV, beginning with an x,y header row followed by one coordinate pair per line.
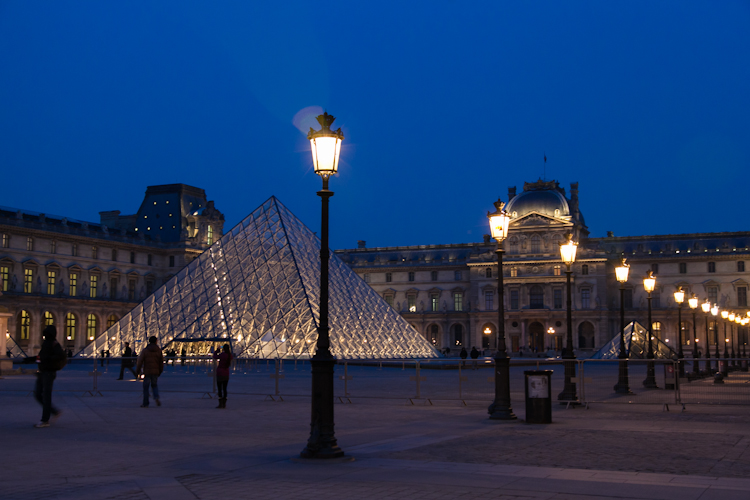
x,y
108,448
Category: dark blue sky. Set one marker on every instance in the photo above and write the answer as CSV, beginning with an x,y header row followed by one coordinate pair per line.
x,y
444,105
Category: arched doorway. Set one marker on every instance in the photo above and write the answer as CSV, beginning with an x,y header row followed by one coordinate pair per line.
x,y
488,335
536,336
433,335
458,335
586,335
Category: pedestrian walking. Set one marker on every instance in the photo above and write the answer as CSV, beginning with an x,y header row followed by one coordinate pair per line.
x,y
126,362
51,358
222,374
151,361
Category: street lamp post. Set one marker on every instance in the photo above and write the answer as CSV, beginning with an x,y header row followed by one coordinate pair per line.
x,y
623,383
326,146
679,297
743,322
569,393
725,366
732,337
500,408
693,303
719,378
706,307
649,283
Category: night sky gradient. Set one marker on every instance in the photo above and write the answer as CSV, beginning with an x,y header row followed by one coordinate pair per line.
x,y
444,104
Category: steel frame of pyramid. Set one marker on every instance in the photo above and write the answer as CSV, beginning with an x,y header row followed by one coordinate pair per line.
x,y
636,343
258,288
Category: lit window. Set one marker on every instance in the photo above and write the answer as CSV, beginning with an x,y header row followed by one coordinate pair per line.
x,y
51,275
558,270
513,272
6,240
73,288
412,303
70,326
4,278
434,305
458,301
28,280
25,326
92,288
49,320
210,236
111,320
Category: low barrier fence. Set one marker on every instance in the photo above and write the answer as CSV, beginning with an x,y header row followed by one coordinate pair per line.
x,y
430,381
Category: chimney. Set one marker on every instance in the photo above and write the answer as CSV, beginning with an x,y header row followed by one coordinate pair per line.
x,y
511,193
361,244
574,200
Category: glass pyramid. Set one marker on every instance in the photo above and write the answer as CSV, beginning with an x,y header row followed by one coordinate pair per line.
x,y
636,343
258,289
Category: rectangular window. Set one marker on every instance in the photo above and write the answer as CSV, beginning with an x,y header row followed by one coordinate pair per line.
x,y
557,298
712,267
70,326
367,277
683,268
4,278
92,288
6,240
132,257
210,236
113,288
741,296
51,276
514,299
149,259
457,275
513,272
131,289
25,325
458,301
585,298
73,288
30,244
740,266
411,276
489,301
713,294
149,287
28,280
388,277
558,271
655,268
434,275
434,305
412,303
94,253
53,246
585,269
171,261
389,300
74,250
627,298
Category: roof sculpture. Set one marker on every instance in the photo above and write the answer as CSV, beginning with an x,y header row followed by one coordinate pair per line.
x,y
257,288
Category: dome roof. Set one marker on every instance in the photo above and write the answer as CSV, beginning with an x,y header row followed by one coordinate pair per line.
x,y
542,197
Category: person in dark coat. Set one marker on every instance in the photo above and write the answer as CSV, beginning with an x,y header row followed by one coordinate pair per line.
x,y
222,374
151,360
126,362
474,353
50,358
463,353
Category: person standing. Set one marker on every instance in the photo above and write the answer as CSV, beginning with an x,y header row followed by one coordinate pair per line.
x,y
222,374
127,361
151,361
51,358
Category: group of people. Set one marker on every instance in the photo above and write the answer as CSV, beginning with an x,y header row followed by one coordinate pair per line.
x,y
150,363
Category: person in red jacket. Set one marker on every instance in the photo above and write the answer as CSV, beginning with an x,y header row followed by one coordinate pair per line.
x,y
151,360
222,374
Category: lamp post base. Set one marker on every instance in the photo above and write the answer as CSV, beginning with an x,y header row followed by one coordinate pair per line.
x,y
569,394
650,381
500,408
322,443
623,385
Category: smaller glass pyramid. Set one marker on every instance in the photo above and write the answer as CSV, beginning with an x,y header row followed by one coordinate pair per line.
x,y
258,290
636,343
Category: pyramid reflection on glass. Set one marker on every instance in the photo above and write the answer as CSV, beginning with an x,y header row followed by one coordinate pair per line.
x,y
258,289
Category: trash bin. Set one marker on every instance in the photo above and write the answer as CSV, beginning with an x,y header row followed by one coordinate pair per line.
x,y
538,396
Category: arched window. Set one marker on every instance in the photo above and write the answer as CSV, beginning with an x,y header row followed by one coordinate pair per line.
x,y
111,320
656,329
70,326
536,297
91,326
458,335
24,326
513,243
488,272
48,318
432,335
536,244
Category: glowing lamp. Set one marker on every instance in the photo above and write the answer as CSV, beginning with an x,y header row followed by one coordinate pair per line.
x,y
731,316
568,250
551,330
621,271
499,222
724,314
715,309
706,306
649,282
326,146
693,302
